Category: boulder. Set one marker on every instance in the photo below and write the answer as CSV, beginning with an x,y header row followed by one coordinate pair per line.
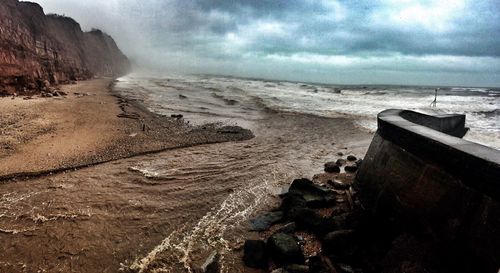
x,y
332,167
288,228
292,201
351,158
340,220
338,185
345,268
308,219
297,268
255,254
314,195
212,264
351,169
339,244
340,162
279,270
284,249
317,265
264,222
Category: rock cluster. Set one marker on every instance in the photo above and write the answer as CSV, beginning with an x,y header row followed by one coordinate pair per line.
x,y
38,51
321,226
303,209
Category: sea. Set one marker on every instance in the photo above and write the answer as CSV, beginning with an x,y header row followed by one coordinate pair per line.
x,y
207,98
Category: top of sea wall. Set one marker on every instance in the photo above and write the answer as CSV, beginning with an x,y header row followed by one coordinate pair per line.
x,y
434,139
420,176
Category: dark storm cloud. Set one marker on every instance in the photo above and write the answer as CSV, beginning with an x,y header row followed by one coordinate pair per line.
x,y
222,35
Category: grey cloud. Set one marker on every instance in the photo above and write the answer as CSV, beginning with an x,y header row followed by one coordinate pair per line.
x,y
198,31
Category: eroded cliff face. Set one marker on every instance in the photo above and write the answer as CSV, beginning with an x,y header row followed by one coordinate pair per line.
x,y
38,50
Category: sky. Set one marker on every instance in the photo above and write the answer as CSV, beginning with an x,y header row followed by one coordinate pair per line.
x,y
412,42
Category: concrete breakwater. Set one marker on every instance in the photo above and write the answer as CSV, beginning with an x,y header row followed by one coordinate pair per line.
x,y
419,172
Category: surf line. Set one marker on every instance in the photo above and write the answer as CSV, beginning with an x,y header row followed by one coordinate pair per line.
x,y
235,209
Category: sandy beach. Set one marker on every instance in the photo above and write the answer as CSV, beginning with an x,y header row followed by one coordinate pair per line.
x,y
90,125
157,211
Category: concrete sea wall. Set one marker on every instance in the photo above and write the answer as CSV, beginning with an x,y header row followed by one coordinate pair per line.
x,y
419,173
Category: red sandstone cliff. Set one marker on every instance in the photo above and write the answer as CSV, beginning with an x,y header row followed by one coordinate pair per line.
x,y
38,49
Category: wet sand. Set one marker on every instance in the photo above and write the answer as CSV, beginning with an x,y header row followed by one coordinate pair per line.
x,y
90,125
167,211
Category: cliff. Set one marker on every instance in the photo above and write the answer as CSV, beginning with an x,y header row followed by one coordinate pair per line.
x,y
38,50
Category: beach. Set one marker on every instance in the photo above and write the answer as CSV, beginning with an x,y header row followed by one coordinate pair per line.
x,y
155,211
87,126
249,136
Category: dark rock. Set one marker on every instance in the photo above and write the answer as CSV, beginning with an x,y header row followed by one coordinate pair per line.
x,y
292,201
340,162
340,220
308,219
340,153
212,264
351,158
351,169
284,249
351,220
297,268
314,195
345,268
332,167
288,228
264,222
177,116
255,254
317,265
337,210
182,96
339,243
338,185
327,225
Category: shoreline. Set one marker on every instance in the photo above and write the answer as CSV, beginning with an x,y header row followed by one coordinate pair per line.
x,y
110,126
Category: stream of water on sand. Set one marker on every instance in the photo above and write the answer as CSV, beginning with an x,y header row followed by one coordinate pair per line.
x,y
286,146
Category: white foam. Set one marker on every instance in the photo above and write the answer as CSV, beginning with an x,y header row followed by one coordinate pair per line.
x,y
322,100
209,232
